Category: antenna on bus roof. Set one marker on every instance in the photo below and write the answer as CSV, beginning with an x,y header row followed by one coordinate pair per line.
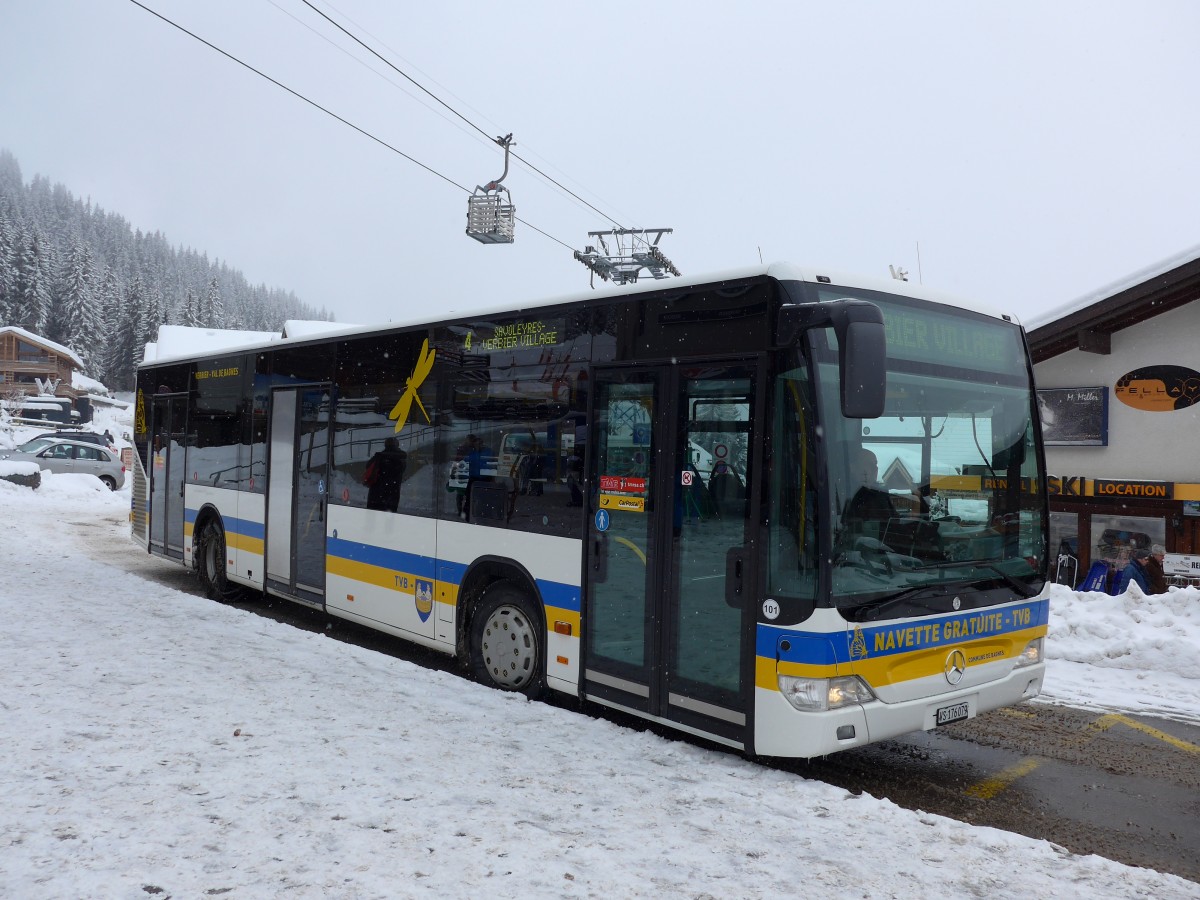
x,y
490,216
633,252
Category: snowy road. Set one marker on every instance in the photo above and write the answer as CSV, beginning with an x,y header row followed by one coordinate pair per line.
x,y
161,744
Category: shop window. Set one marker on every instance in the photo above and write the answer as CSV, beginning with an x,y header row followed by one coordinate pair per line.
x,y
1064,526
1114,538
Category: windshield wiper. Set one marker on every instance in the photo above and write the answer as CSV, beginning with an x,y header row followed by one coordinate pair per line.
x,y
1011,580
872,609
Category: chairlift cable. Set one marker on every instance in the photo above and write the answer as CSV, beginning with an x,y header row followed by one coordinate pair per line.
x,y
388,63
362,62
330,113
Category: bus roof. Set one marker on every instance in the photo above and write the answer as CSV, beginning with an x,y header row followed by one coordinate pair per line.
x,y
218,341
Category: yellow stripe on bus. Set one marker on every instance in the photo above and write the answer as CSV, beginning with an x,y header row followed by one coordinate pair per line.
x,y
245,544
767,670
900,667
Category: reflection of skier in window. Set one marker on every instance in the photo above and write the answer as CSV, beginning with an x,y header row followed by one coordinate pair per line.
x,y
870,503
526,471
478,457
390,463
575,477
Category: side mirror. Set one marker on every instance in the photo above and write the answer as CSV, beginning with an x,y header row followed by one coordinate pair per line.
x,y
862,349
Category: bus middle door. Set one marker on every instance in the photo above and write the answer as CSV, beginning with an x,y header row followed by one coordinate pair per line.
x,y
669,544
168,420
297,484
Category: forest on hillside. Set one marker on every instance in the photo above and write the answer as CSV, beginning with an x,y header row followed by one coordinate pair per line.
x,y
85,278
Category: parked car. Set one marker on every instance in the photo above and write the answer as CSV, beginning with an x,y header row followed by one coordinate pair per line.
x,y
89,436
36,444
60,456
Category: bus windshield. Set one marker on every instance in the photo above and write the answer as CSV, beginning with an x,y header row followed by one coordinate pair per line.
x,y
941,493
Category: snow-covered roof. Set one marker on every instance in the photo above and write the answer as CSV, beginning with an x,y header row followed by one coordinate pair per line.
x,y
183,340
299,330
1123,284
308,327
42,342
102,400
90,386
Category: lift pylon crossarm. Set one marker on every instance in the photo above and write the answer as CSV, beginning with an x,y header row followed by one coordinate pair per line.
x,y
634,253
491,215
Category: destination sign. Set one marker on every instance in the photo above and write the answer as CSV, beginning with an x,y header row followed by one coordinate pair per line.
x,y
230,372
950,340
525,334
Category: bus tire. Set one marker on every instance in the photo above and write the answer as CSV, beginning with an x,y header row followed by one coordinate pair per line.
x,y
211,561
507,647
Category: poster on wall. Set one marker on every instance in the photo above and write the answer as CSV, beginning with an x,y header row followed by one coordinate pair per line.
x,y
1074,417
1159,388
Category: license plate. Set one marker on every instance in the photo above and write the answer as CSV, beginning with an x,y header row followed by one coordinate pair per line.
x,y
948,714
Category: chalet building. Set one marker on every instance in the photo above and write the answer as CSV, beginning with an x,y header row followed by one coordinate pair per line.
x,y
1118,384
40,369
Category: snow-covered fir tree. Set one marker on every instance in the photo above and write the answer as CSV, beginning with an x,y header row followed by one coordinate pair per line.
x,y
69,267
76,324
190,312
31,304
213,314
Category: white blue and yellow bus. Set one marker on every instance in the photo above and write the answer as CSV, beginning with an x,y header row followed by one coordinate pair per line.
x,y
784,509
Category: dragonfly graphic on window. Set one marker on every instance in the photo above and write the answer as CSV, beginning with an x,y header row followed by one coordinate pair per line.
x,y
419,373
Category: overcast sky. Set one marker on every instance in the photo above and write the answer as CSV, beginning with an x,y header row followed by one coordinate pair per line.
x,y
1033,151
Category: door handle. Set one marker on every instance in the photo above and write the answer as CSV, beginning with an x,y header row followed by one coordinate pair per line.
x,y
599,559
735,569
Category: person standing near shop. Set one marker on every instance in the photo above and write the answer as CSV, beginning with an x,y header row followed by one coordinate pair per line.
x,y
1155,576
1134,573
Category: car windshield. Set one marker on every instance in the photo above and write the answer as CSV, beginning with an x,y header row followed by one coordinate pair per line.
x,y
37,444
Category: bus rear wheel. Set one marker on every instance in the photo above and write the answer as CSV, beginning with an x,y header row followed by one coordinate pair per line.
x,y
211,547
506,643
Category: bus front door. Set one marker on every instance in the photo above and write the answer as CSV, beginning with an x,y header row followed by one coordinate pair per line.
x,y
297,480
168,420
667,629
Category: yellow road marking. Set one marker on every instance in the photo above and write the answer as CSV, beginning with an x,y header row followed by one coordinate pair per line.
x,y
1107,721
1016,713
990,787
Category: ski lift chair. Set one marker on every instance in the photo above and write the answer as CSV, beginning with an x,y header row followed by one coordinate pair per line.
x,y
491,216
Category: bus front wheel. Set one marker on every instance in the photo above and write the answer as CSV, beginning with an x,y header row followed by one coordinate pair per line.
x,y
212,564
506,642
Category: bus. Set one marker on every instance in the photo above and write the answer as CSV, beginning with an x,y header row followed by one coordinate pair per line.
x,y
782,509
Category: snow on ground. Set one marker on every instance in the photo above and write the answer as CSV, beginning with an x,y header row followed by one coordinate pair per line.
x,y
159,744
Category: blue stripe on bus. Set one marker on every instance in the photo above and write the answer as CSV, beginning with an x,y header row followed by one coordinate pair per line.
x,y
554,593
245,527
248,528
821,648
557,594
369,554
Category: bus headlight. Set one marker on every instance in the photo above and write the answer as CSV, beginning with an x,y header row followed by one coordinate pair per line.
x,y
1031,655
819,694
